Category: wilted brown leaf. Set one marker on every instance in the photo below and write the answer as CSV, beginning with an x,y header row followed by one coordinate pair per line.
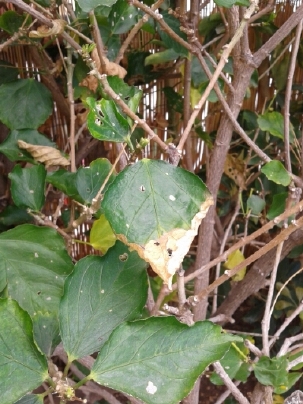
x,y
234,168
44,154
44,31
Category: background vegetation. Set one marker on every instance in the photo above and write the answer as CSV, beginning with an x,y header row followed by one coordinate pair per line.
x,y
119,265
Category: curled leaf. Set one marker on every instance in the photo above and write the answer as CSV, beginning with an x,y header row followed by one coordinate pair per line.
x,y
44,31
44,154
165,254
111,69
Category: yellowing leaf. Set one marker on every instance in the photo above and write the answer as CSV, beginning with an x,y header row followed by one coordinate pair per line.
x,y
44,154
166,253
234,259
44,31
195,96
101,235
278,399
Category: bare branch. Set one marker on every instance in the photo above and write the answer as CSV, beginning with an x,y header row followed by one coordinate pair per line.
x,y
230,384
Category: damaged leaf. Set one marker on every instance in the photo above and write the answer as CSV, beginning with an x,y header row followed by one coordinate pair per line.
x,y
44,154
110,68
234,168
156,209
43,31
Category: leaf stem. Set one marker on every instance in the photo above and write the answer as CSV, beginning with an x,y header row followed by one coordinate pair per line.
x,y
82,382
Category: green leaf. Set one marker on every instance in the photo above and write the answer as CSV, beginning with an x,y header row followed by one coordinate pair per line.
x,y
30,399
22,367
46,332
169,42
278,205
209,24
272,372
276,172
131,95
10,145
100,294
292,378
105,121
152,197
101,235
234,365
28,186
89,179
16,104
198,75
273,122
65,181
8,72
168,356
10,21
245,3
255,204
34,264
225,3
161,57
174,100
88,5
12,215
122,17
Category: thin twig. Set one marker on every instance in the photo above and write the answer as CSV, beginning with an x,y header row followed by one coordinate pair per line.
x,y
255,350
226,394
229,273
288,92
282,287
295,362
164,291
229,383
222,248
181,289
288,342
216,74
286,323
267,313
133,32
223,257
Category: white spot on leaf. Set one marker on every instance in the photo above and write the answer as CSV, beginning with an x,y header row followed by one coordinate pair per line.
x,y
151,388
172,198
102,291
48,298
31,191
36,255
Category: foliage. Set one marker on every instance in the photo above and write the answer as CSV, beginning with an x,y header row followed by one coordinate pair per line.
x,y
133,181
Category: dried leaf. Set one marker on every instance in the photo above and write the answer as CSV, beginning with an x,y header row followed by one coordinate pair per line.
x,y
44,154
234,168
111,69
43,31
165,255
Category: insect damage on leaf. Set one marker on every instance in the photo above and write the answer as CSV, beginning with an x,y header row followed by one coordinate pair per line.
x,y
165,254
44,154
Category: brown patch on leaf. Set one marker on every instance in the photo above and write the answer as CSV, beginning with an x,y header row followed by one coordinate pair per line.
x,y
234,168
43,31
44,154
165,254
